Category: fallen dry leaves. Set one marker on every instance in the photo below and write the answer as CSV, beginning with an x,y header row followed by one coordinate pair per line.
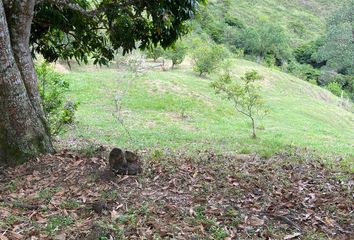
x,y
206,196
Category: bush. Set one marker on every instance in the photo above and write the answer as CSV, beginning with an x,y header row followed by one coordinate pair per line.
x,y
52,88
307,53
345,81
233,21
270,60
335,88
304,71
177,53
155,52
208,58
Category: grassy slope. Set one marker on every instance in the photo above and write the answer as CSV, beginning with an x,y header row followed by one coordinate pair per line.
x,y
304,20
178,110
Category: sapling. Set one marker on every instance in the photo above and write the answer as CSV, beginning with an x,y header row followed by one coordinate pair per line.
x,y
134,64
244,94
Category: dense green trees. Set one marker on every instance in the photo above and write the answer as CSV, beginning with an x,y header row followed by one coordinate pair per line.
x,y
322,59
338,47
330,59
266,38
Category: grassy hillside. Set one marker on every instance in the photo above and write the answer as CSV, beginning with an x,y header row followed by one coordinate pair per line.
x,y
303,20
178,110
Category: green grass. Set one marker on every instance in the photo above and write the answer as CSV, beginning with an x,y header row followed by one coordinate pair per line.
x,y
302,20
178,110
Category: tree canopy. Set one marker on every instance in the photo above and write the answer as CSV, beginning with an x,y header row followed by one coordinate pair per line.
x,y
76,29
338,49
266,38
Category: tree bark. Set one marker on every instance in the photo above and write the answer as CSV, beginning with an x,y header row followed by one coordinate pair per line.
x,y
23,130
253,128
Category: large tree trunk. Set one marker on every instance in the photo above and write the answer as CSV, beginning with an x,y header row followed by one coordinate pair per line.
x,y
23,131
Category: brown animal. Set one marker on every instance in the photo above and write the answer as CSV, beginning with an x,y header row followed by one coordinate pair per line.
x,y
124,162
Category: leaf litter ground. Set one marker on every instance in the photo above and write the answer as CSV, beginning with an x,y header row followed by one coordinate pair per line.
x,y
207,196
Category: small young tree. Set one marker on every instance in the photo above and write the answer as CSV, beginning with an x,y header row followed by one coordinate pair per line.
x,y
207,59
177,53
155,52
244,94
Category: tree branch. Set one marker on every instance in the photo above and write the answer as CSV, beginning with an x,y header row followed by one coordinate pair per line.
x,y
69,4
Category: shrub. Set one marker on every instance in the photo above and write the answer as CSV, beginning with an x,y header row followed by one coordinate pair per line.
x,y
177,53
208,58
313,81
52,87
270,60
335,88
304,71
345,81
233,21
155,52
306,54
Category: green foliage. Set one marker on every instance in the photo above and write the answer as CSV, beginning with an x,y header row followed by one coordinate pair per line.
x,y
211,25
70,204
213,228
46,194
266,38
313,81
304,71
306,53
207,57
270,60
345,81
243,94
57,221
176,53
63,33
335,88
338,49
155,52
52,87
232,21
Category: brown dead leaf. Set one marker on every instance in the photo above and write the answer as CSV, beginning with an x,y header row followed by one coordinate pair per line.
x,y
330,222
191,212
291,236
255,221
60,237
15,235
114,215
4,213
3,237
123,179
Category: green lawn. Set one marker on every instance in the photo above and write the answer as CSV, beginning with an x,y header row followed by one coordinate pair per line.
x,y
178,110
